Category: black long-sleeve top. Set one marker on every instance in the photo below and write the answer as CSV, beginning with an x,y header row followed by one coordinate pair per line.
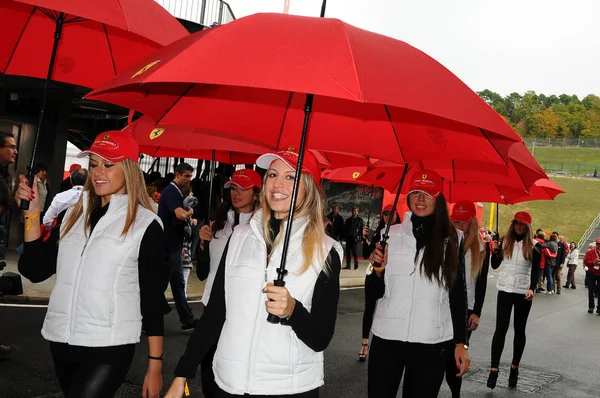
x,y
481,283
498,257
314,328
39,261
458,292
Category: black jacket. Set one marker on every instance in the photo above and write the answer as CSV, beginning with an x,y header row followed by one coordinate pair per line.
x,y
336,228
353,229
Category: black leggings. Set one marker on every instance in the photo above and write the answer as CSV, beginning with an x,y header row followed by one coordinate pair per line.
x,y
209,386
506,301
423,366
309,394
370,304
91,380
454,382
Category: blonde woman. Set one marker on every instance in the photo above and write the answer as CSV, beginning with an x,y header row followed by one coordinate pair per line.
x,y
255,357
518,259
477,259
107,255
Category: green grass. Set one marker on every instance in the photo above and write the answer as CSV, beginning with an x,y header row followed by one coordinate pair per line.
x,y
570,213
577,161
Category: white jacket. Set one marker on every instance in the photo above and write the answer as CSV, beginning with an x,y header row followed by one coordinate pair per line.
x,y
413,309
254,356
573,256
96,299
515,274
216,248
60,203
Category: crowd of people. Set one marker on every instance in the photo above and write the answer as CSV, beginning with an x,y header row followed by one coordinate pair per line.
x,y
424,291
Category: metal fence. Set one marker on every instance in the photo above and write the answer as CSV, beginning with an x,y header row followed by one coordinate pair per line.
x,y
572,169
563,142
203,12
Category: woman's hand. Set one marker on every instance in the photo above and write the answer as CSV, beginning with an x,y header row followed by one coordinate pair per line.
x,y
366,231
25,192
153,381
473,322
177,388
206,233
378,257
463,361
529,295
279,302
495,246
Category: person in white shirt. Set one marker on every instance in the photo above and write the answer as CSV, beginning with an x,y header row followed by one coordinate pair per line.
x,y
62,201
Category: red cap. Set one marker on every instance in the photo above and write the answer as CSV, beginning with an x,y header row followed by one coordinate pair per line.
x,y
426,181
463,211
523,217
74,166
245,179
114,146
598,240
387,208
310,165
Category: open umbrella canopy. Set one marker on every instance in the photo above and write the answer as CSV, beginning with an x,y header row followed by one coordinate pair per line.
x,y
99,39
374,95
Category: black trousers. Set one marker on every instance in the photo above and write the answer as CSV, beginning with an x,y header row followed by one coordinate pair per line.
x,y
593,288
422,365
209,386
91,380
351,250
370,304
455,383
506,302
309,394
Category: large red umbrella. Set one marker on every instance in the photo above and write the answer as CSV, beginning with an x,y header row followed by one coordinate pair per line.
x,y
355,91
79,42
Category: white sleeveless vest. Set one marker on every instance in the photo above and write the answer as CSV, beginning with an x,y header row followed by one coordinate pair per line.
x,y
254,356
413,309
216,248
96,299
515,274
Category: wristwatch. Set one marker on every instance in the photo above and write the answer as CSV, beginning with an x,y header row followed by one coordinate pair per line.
x,y
465,346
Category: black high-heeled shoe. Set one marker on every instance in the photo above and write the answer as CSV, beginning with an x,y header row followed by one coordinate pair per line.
x,y
492,379
513,377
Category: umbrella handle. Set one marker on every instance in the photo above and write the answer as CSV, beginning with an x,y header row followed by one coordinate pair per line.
x,y
274,319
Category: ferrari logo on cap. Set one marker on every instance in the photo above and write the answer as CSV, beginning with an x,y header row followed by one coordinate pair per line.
x,y
145,68
291,148
106,136
424,176
355,175
154,134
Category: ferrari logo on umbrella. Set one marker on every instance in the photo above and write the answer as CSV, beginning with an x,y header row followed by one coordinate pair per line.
x,y
154,134
145,68
106,136
355,175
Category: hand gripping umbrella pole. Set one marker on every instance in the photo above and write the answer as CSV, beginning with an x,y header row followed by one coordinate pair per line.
x,y
385,236
57,35
281,271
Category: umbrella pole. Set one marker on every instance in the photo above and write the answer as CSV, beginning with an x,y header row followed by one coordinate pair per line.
x,y
211,179
57,35
385,236
497,218
323,6
281,271
370,202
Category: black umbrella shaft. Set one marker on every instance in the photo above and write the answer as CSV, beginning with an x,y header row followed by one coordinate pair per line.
x,y
497,217
57,35
323,6
370,200
281,271
211,179
385,236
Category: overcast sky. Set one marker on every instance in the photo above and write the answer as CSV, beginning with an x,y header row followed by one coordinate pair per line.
x,y
549,46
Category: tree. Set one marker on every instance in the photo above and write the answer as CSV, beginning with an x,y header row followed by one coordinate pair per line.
x,y
545,124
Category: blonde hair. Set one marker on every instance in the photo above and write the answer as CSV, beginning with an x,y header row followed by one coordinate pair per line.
x,y
135,188
508,243
474,244
312,207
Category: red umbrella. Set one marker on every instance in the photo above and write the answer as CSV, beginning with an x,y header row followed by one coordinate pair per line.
x,y
365,93
88,41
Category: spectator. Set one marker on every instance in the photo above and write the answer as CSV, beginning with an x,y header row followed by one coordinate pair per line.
x,y
335,228
65,199
353,232
572,258
550,256
591,262
561,257
66,184
41,172
8,155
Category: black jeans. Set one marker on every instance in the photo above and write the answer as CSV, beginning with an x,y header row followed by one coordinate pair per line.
x,y
309,394
423,367
454,382
593,287
91,380
506,302
351,250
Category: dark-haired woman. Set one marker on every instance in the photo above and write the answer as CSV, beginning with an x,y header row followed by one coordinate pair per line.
x,y
518,259
422,314
370,298
245,186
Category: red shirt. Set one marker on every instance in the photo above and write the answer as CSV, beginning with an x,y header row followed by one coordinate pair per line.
x,y
589,261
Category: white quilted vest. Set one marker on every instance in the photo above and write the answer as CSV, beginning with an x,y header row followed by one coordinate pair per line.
x,y
515,274
96,299
254,356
